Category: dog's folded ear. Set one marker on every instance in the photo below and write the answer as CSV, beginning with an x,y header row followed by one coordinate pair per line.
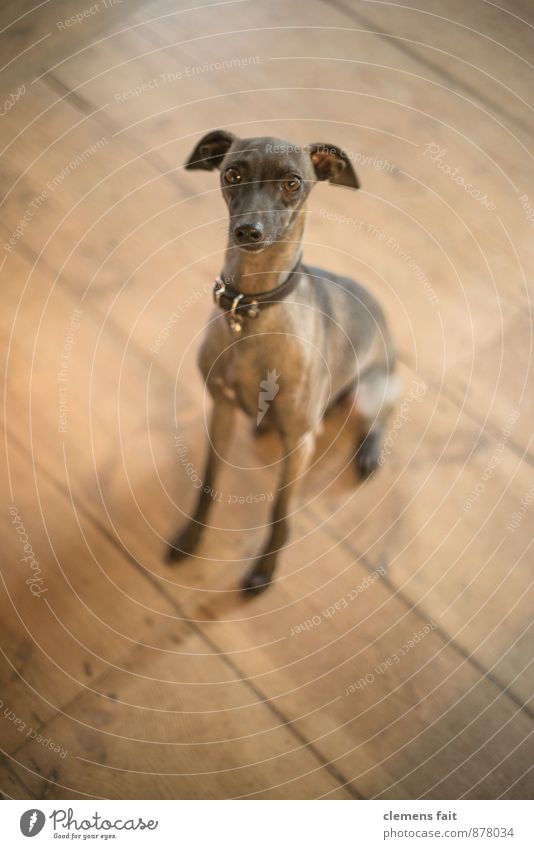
x,y
332,164
210,151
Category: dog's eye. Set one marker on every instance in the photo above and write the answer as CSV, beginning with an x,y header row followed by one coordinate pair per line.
x,y
292,184
232,176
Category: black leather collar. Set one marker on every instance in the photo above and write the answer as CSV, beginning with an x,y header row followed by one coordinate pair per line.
x,y
239,306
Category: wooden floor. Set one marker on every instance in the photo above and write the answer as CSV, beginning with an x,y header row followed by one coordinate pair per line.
x,y
393,657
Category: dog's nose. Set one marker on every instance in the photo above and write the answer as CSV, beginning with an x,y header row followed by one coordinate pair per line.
x,y
247,234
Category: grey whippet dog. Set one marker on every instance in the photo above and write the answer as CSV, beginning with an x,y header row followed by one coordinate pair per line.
x,y
322,336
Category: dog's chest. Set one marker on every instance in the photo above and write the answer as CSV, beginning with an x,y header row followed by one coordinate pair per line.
x,y
238,380
237,370
225,383
272,368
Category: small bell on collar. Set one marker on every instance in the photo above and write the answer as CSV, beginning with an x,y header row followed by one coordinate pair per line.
x,y
236,323
234,319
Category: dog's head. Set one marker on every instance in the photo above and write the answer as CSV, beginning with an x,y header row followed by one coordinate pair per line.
x,y
265,181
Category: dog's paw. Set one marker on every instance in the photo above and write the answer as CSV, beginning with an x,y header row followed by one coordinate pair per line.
x,y
255,582
368,454
183,545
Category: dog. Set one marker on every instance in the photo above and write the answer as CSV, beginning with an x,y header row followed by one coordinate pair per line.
x,y
319,336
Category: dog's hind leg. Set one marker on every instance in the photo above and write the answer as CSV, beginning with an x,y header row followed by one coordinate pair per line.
x,y
377,392
220,432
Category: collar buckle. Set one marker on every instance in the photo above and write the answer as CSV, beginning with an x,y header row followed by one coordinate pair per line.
x,y
253,309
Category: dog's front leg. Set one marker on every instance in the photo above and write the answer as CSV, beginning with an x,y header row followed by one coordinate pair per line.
x,y
220,432
296,459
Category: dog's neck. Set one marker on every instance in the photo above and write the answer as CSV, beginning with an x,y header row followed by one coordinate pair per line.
x,y
250,272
